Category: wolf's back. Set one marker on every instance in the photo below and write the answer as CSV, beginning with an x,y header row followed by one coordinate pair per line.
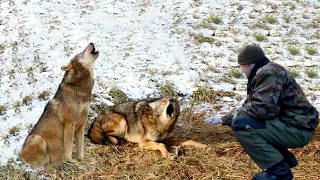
x,y
96,133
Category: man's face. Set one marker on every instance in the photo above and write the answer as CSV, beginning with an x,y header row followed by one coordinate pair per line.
x,y
246,69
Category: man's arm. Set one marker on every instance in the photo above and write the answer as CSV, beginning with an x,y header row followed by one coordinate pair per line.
x,y
263,103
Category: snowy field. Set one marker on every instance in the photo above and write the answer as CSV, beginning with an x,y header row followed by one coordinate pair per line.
x,y
144,44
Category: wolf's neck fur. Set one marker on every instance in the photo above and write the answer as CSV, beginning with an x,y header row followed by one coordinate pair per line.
x,y
76,86
80,80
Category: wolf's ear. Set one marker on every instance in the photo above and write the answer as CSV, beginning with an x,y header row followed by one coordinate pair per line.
x,y
69,66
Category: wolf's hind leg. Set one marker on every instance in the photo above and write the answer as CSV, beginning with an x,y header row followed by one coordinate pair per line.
x,y
114,125
113,140
156,146
96,132
183,142
34,151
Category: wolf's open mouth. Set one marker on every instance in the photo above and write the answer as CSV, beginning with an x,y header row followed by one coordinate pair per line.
x,y
93,51
170,110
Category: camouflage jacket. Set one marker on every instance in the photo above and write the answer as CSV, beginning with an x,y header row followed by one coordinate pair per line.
x,y
275,94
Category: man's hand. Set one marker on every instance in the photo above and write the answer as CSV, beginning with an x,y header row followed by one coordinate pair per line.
x,y
213,120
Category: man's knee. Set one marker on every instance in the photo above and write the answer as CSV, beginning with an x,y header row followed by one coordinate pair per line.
x,y
241,123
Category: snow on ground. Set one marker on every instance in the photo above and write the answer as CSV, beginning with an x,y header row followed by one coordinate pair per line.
x,y
143,44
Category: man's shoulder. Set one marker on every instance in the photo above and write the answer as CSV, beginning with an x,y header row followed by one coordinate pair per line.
x,y
272,68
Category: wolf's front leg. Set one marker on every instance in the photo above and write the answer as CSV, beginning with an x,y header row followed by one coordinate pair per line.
x,y
67,140
79,139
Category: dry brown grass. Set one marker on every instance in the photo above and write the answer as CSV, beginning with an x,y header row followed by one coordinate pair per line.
x,y
222,159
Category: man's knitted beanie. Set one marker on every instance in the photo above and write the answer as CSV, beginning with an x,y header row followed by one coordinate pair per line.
x,y
250,54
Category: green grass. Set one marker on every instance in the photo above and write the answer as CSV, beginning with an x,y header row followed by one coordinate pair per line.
x,y
87,6
213,69
150,71
234,73
179,30
315,36
311,50
313,25
213,19
260,26
259,37
293,50
167,89
14,44
225,79
311,73
11,72
207,94
206,26
29,69
118,96
98,108
55,21
16,106
269,19
286,18
200,38
294,73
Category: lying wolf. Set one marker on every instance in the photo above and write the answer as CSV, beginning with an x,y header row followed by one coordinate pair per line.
x,y
149,123
50,141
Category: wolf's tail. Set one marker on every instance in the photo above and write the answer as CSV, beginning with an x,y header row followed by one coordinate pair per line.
x,y
34,151
95,133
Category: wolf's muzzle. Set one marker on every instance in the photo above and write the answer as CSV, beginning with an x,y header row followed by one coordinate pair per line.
x,y
93,48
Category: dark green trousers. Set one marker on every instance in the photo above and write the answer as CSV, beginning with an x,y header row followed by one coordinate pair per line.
x,y
263,140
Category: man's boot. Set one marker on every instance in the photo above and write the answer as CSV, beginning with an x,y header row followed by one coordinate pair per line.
x,y
279,171
289,158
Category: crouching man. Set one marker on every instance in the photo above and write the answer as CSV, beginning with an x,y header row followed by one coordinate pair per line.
x,y
275,116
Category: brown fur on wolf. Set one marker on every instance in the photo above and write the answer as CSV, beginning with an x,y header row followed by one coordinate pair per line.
x,y
50,140
149,123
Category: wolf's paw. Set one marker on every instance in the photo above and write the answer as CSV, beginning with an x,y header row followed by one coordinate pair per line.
x,y
80,158
68,157
69,161
172,156
168,156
